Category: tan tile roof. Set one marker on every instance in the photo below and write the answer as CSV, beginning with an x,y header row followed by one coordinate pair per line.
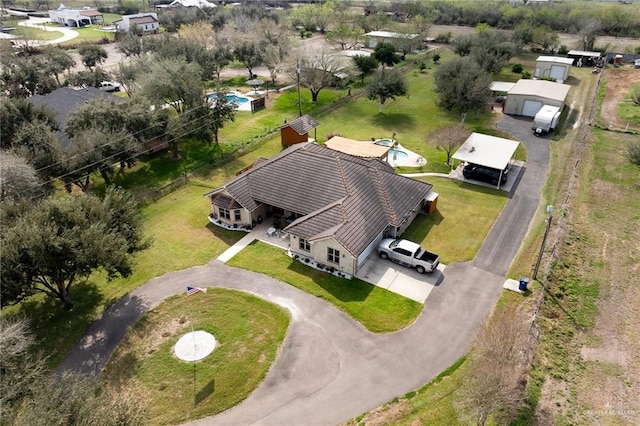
x,y
348,198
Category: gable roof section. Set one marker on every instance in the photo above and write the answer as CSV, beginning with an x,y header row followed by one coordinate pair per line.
x,y
63,101
555,59
302,124
486,150
143,20
348,198
541,88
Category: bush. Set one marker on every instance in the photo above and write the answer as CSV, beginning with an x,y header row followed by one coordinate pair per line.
x,y
563,50
526,75
635,94
444,37
634,153
436,58
422,66
517,68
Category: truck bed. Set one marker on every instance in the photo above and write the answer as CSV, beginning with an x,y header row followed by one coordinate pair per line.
x,y
427,256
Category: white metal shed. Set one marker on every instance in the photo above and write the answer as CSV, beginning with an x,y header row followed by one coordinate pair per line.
x,y
553,67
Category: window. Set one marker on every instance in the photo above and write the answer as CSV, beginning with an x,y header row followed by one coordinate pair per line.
x,y
224,213
304,245
237,215
333,255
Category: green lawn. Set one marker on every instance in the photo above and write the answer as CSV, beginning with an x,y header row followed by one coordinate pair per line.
x,y
89,35
248,332
628,111
30,33
377,309
463,218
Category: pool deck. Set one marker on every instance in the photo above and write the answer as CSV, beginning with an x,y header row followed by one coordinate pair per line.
x,y
411,160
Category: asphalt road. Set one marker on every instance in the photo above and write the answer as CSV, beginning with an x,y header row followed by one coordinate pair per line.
x,y
330,369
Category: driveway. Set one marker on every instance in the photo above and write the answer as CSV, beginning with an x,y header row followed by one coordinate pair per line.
x,y
39,23
330,369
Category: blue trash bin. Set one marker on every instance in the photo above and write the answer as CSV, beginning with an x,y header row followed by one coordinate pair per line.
x,y
523,283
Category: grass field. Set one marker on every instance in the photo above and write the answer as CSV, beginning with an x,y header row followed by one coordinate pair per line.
x,y
377,309
628,111
248,333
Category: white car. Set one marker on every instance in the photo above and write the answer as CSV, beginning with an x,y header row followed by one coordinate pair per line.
x,y
109,86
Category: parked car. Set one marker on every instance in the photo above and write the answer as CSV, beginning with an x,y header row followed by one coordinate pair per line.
x,y
409,254
109,86
485,174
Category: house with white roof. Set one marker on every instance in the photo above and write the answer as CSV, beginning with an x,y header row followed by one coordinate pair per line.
x,y
75,16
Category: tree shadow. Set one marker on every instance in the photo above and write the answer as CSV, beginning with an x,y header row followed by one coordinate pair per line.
x,y
205,391
228,236
394,121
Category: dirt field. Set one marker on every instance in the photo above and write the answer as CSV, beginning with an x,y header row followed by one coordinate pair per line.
x,y
619,83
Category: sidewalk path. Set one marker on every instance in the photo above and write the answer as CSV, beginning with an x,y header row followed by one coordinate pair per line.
x,y
330,369
39,23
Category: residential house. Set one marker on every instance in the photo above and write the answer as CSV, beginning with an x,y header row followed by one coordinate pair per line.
x,y
334,207
200,4
63,101
75,17
144,22
297,131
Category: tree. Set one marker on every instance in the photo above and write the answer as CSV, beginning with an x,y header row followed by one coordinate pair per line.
x,y
52,246
88,78
249,54
39,146
19,179
495,382
345,34
448,139
491,50
92,55
273,58
131,45
220,111
22,77
545,38
57,61
461,84
176,83
386,54
317,71
386,84
16,112
365,64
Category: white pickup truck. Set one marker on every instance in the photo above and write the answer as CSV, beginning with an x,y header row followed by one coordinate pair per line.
x,y
409,254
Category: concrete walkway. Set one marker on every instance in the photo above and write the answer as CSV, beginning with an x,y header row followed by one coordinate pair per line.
x,y
330,369
39,23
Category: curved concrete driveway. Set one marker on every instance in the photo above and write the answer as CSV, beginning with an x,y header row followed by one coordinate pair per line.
x,y
330,368
39,23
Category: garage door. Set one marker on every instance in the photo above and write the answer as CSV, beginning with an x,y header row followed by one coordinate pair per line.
x,y
531,108
557,72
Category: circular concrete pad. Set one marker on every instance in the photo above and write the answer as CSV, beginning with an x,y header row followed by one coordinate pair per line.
x,y
194,346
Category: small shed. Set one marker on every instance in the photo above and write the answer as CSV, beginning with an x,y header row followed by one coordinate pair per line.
x,y
526,97
486,150
297,131
356,148
553,67
501,87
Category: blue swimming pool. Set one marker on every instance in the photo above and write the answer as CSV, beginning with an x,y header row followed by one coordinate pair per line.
x,y
231,97
395,154
384,142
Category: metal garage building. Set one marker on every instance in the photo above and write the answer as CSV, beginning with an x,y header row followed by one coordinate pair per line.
x,y
528,96
553,67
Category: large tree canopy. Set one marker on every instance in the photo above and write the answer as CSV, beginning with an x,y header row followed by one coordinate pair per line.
x,y
386,84
317,71
461,84
50,247
19,179
174,82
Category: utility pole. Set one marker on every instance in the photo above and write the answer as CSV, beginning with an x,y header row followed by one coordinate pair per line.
x,y
298,75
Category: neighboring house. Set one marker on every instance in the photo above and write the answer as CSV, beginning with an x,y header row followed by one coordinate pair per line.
x,y
200,4
526,97
145,22
63,101
75,17
553,67
402,41
334,207
297,131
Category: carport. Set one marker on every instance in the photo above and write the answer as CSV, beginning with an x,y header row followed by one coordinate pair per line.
x,y
488,151
526,97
